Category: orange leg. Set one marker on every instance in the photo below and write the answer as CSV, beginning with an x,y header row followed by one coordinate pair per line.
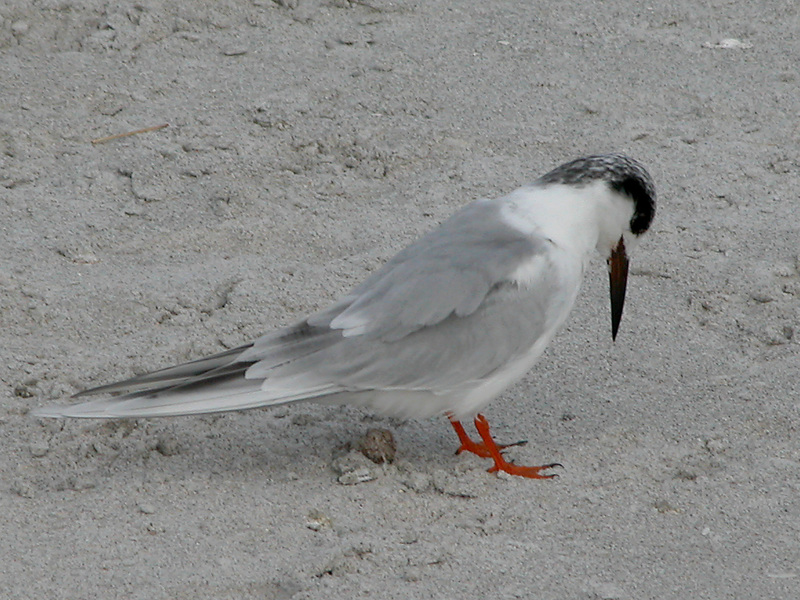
x,y
490,449
467,445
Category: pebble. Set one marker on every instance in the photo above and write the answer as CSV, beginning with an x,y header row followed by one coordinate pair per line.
x,y
317,520
24,391
353,468
234,51
39,449
728,44
356,476
147,509
378,445
167,446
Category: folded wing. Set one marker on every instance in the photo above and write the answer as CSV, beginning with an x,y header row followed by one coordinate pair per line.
x,y
439,317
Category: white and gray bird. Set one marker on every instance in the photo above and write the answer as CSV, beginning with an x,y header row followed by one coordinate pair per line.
x,y
442,328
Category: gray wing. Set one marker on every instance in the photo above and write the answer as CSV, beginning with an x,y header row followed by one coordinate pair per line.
x,y
449,271
452,355
441,315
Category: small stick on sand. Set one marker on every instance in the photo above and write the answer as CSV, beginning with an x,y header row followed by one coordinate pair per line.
x,y
122,135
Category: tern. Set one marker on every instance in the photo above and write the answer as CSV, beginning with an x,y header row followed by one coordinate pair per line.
x,y
442,328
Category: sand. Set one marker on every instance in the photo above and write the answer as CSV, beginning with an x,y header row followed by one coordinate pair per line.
x,y
306,143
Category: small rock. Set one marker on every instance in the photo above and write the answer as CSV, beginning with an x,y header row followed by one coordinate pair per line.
x,y
234,51
504,476
110,107
147,509
101,448
761,297
39,449
154,529
23,391
318,521
728,44
280,412
378,445
356,476
167,446
353,468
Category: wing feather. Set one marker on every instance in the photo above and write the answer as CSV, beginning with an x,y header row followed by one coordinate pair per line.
x,y
449,271
441,316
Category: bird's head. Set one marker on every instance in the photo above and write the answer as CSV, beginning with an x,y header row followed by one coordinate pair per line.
x,y
629,212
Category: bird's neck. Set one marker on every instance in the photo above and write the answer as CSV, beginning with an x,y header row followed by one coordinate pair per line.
x,y
579,219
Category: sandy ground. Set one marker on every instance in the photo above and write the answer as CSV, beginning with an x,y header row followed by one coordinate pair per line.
x,y
307,142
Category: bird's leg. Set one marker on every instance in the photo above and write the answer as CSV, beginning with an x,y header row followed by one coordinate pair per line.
x,y
500,463
467,445
479,448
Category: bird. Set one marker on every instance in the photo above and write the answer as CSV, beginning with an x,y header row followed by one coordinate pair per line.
x,y
442,328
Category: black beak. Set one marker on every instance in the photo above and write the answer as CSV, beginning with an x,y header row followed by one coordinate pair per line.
x,y
618,278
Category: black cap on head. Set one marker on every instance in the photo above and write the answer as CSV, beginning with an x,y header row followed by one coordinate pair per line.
x,y
624,174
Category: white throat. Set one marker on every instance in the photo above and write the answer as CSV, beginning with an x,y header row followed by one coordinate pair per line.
x,y
577,218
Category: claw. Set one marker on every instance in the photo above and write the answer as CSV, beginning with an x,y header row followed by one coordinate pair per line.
x,y
529,472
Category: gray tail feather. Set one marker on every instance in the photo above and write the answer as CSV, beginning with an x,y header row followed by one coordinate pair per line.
x,y
212,384
196,370
216,383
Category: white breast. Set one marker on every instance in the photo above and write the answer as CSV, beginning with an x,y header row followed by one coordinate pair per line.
x,y
569,268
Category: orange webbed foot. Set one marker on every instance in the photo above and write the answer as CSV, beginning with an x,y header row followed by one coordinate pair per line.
x,y
490,449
